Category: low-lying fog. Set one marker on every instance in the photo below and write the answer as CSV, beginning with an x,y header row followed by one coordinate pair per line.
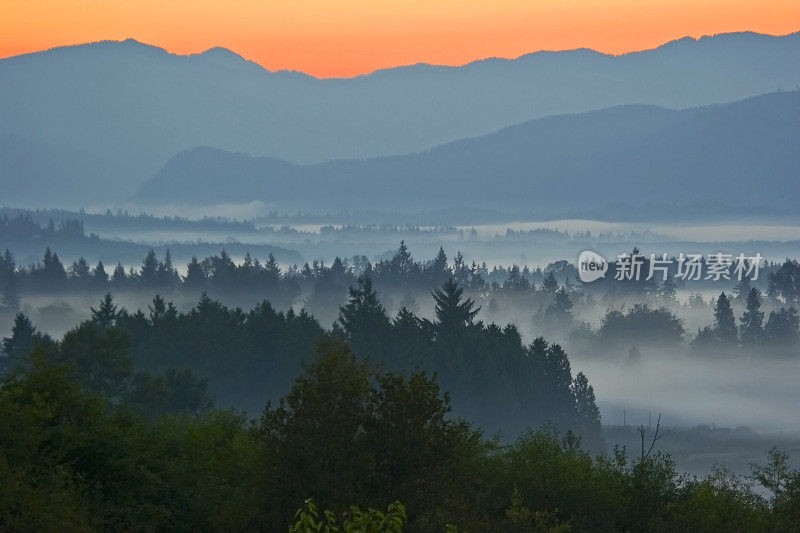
x,y
763,394
752,390
755,390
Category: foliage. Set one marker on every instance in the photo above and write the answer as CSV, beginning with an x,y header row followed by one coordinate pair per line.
x,y
308,520
350,436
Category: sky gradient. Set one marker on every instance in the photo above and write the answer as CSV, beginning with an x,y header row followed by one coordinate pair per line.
x,y
349,37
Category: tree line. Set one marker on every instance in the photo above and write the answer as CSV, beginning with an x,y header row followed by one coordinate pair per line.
x,y
550,295
87,445
498,381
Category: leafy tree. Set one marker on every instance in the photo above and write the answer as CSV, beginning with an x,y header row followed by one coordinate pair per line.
x,y
783,484
97,357
640,325
307,519
347,433
174,391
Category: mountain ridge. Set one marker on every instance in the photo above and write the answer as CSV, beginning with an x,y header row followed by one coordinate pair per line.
x,y
686,39
132,106
724,153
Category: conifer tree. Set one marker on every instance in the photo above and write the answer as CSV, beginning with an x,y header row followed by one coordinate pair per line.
x,y
724,321
752,330
105,315
453,314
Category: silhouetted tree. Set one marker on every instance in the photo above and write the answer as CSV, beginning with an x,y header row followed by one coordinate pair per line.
x,y
752,330
559,314
452,314
195,278
363,319
586,412
149,272
105,315
23,337
782,327
724,321
550,284
100,276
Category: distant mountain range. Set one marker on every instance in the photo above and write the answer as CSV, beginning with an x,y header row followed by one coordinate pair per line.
x,y
739,153
115,112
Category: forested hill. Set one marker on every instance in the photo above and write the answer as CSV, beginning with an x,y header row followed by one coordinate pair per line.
x,y
495,380
728,154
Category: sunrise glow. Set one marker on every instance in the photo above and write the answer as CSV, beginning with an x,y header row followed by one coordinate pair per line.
x,y
351,37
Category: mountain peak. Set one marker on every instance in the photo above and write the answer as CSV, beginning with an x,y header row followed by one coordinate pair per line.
x,y
220,52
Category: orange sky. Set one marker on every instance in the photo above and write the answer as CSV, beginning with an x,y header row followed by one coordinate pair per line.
x,y
347,37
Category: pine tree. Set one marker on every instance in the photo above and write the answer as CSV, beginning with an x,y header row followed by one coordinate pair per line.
x,y
783,327
54,275
724,321
438,267
273,269
402,264
23,337
559,313
99,275
461,273
167,276
451,313
149,272
550,284
118,278
409,303
158,310
752,330
586,411
695,301
105,316
195,275
363,318
555,369
10,300
81,273
8,283
742,290
667,292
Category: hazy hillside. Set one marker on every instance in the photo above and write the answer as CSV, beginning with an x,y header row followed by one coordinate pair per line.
x,y
739,153
34,173
133,106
